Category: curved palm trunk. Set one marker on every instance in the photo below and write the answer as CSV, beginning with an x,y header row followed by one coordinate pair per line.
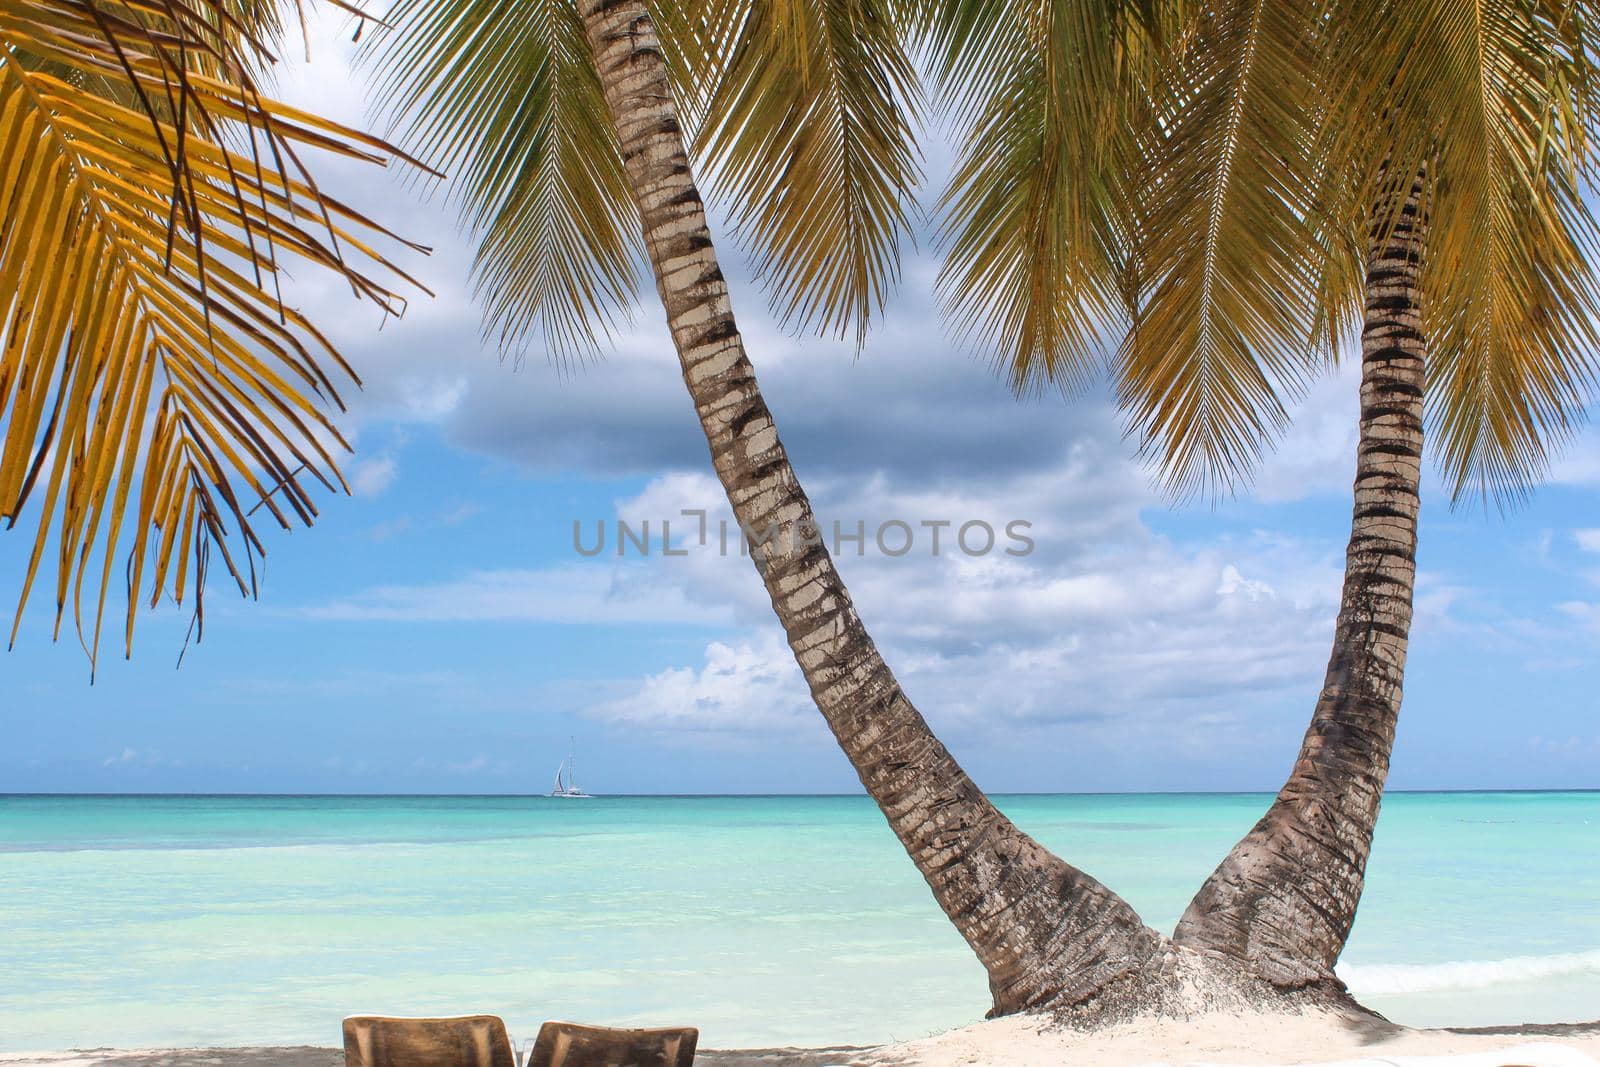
x,y
1283,901
1047,933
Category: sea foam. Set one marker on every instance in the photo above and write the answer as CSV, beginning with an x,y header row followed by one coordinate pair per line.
x,y
1385,978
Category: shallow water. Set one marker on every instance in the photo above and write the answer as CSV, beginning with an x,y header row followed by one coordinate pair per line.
x,y
137,921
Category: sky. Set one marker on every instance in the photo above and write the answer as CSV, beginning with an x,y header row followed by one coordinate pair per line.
x,y
440,631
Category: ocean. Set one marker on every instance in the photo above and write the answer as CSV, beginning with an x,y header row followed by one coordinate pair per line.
x,y
161,920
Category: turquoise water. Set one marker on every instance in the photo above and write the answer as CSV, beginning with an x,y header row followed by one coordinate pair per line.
x,y
138,921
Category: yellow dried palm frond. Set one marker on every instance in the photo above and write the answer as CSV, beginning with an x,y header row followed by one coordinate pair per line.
x,y
154,391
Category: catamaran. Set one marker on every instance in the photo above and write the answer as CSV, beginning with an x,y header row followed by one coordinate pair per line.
x,y
566,784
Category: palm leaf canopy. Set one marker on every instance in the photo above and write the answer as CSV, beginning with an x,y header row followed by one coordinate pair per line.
x,y
1044,97
155,392
1268,138
1496,102
802,115
806,121
1225,243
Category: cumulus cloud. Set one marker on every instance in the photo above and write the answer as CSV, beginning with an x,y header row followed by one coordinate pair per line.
x,y
750,690
1104,624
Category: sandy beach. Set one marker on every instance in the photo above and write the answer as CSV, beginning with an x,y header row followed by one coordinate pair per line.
x,y
1249,1041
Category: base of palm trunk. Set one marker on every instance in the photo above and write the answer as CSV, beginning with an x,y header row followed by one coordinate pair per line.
x,y
1179,982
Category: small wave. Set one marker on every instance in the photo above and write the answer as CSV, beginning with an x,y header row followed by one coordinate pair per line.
x,y
1379,978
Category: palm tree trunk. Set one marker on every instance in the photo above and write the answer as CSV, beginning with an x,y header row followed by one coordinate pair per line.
x,y
1047,933
1283,901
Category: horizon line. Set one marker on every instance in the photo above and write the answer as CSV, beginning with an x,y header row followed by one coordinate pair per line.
x,y
112,794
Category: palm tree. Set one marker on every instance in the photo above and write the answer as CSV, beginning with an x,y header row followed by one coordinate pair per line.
x,y
147,355
153,385
1196,166
1477,305
567,124
564,120
1248,209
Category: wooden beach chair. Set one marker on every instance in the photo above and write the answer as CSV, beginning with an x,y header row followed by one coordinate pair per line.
x,y
454,1041
573,1045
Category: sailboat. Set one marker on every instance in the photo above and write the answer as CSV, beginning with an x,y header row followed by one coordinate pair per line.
x,y
566,784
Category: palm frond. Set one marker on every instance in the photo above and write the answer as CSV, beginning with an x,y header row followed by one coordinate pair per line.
x,y
806,128
153,387
1497,100
1228,253
1044,95
506,98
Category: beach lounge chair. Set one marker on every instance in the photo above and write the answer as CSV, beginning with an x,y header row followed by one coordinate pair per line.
x,y
454,1041
573,1045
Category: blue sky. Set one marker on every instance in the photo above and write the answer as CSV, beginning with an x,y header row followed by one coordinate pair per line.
x,y
437,631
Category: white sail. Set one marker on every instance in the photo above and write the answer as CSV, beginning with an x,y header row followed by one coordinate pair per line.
x,y
566,781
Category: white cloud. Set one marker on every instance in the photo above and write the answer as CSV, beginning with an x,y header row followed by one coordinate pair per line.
x,y
372,477
1105,626
1579,463
1569,746
1318,453
1584,614
1104,622
389,529
749,689
1588,540
571,594
134,757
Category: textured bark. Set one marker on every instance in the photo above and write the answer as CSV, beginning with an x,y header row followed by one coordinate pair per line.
x,y
1283,901
1048,934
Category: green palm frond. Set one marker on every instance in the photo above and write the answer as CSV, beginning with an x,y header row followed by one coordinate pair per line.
x,y
1228,253
154,391
806,127
506,98
1044,94
1497,101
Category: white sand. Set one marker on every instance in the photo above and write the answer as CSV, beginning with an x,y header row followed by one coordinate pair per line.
x,y
1240,1039
1254,1040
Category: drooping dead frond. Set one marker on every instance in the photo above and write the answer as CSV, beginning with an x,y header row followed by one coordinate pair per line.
x,y
153,388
